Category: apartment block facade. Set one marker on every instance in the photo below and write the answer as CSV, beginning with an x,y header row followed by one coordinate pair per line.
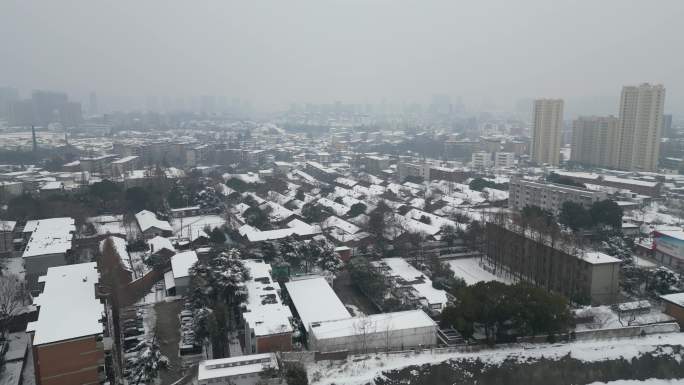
x,y
547,131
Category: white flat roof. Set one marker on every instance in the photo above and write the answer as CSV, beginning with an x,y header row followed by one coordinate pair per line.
x,y
315,301
265,313
597,257
68,307
49,236
384,322
182,262
235,366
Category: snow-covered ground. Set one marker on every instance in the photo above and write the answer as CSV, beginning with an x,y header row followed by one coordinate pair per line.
x,y
650,381
607,318
655,213
364,368
189,227
472,272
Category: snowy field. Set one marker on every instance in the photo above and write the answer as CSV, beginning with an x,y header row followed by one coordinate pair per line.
x,y
363,369
189,227
472,272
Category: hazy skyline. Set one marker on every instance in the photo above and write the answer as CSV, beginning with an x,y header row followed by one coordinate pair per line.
x,y
274,53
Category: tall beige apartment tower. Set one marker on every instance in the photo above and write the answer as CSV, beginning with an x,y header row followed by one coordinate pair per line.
x,y
595,141
546,131
641,118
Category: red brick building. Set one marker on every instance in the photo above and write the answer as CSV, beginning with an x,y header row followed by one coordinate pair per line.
x,y
69,335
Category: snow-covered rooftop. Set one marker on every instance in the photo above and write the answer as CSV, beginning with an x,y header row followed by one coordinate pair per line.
x,y
265,312
296,227
235,366
49,236
157,243
597,258
182,262
147,220
677,234
315,301
68,307
676,298
383,322
334,221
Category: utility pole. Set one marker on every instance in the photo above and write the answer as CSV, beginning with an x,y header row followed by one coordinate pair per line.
x,y
33,135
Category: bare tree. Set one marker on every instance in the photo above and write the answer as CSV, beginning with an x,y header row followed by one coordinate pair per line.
x,y
362,328
13,295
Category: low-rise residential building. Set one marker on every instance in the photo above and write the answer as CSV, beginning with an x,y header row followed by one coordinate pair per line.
x,y
49,243
674,306
411,286
448,174
150,226
315,301
386,331
69,336
321,172
179,280
669,248
481,160
125,165
504,159
375,163
549,196
268,326
413,170
241,370
582,276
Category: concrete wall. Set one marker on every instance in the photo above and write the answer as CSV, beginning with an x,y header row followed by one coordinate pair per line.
x,y
675,311
604,283
392,340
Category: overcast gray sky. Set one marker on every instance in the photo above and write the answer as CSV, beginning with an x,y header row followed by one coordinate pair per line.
x,y
277,52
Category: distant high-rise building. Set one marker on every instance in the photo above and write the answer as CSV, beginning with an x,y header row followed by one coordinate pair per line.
x,y
441,104
43,108
641,121
92,105
546,131
595,141
208,104
7,96
47,106
152,104
667,125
